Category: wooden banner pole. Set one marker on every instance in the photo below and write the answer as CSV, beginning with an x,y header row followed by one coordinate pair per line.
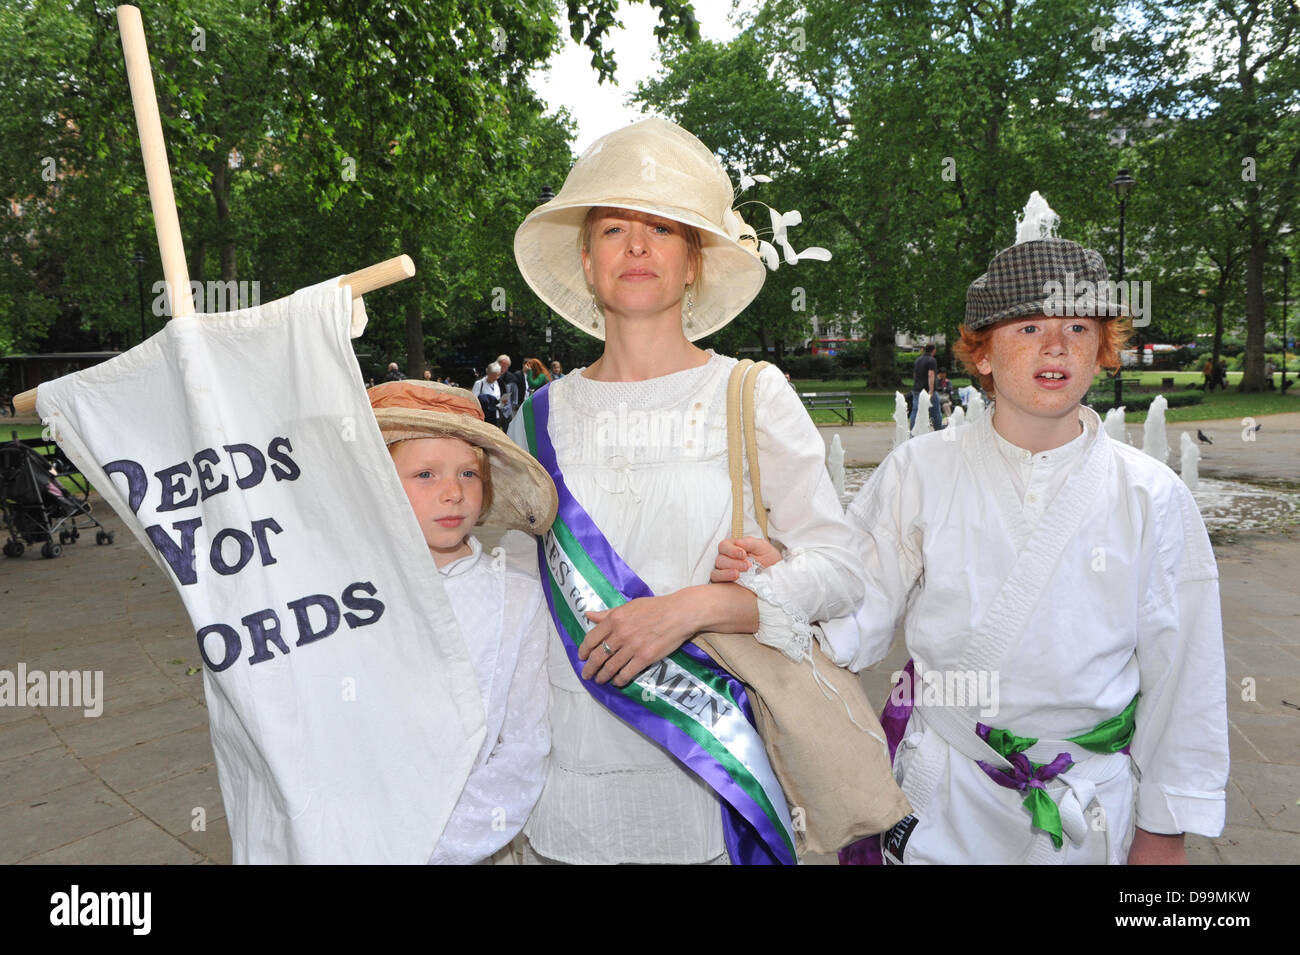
x,y
154,150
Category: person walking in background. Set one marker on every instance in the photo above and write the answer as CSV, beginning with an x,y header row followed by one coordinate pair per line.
x,y
535,373
508,375
557,370
924,373
394,373
488,392
510,400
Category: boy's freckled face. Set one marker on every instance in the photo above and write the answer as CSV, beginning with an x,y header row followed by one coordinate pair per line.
x,y
1042,367
442,480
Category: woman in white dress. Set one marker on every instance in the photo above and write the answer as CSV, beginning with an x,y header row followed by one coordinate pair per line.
x,y
642,249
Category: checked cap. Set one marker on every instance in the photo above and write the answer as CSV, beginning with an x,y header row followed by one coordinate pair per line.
x,y
1041,277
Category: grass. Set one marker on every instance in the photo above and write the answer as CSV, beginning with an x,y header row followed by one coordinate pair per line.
x,y
878,406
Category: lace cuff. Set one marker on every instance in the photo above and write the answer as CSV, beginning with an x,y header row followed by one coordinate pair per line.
x,y
781,625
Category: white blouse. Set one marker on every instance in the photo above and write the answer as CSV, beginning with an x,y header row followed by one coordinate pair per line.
x,y
502,615
648,461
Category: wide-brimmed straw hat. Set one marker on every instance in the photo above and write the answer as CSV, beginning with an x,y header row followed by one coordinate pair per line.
x,y
523,496
655,167
1048,276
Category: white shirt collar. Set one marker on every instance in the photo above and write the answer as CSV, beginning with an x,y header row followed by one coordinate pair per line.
x,y
1014,454
463,565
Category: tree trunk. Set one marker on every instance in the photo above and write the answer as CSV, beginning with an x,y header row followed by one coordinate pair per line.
x,y
1252,365
221,194
414,338
1218,326
762,342
882,371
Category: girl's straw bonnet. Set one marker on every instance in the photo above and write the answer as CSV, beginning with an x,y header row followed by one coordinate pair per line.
x,y
655,167
523,496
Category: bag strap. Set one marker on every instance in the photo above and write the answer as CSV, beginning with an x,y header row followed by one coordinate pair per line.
x,y
741,387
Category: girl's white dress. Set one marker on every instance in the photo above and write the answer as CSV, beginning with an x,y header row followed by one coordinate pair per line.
x,y
503,618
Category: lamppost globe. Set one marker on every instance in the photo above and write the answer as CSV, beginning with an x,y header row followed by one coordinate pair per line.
x,y
1123,184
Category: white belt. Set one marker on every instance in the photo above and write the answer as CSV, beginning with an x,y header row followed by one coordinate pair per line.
x,y
1080,781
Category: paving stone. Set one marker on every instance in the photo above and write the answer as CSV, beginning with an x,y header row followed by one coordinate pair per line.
x,y
1201,851
1276,737
213,843
29,735
59,818
121,697
109,734
1272,792
30,777
1249,845
139,841
171,804
150,762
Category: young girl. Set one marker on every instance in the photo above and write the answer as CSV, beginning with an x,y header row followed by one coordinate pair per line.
x,y
1031,554
458,471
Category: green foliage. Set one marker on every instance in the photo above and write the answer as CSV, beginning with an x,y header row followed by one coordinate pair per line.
x,y
307,139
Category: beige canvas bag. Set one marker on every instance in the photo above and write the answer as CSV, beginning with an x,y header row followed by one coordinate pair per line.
x,y
836,775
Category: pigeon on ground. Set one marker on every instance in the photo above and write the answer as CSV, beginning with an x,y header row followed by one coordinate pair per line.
x,y
1201,434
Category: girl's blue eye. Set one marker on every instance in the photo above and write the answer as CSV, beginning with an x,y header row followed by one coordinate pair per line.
x,y
469,473
425,474
1029,328
1079,328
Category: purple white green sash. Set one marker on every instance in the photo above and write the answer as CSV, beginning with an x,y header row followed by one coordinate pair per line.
x,y
686,703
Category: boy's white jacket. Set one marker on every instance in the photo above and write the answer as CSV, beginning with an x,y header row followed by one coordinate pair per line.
x,y
1130,603
344,709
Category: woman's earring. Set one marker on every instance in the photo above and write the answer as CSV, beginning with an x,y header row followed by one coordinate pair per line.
x,y
596,315
690,307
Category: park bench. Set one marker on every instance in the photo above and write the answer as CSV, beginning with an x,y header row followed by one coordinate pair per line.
x,y
841,402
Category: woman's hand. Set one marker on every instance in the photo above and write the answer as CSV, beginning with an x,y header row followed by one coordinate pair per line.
x,y
640,632
630,638
734,555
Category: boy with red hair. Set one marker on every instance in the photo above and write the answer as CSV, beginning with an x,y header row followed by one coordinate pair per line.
x,y
1031,554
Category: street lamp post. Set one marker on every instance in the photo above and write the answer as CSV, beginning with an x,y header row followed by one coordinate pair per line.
x,y
546,196
1123,185
138,259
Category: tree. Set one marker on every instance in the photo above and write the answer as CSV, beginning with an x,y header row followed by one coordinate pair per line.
x,y
305,137
1235,69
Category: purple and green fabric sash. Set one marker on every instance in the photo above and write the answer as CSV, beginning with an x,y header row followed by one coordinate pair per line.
x,y
1109,736
686,703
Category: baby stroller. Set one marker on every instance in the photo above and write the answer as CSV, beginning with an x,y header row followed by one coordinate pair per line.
x,y
36,506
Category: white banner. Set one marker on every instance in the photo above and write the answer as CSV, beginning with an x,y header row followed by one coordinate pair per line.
x,y
241,450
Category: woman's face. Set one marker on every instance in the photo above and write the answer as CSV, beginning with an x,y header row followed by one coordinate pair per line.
x,y
638,264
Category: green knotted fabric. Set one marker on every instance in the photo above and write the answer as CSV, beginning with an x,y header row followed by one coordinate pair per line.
x,y
1109,736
